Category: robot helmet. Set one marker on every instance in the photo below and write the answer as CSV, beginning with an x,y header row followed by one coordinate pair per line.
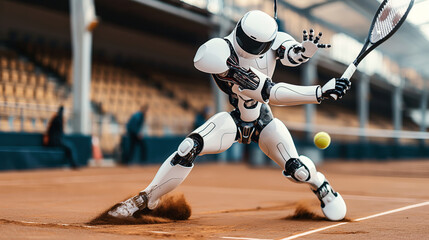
x,y
254,34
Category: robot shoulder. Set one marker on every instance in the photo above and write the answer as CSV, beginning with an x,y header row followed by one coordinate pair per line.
x,y
211,57
280,39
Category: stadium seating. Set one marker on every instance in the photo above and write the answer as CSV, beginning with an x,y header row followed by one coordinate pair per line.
x,y
23,90
118,91
196,93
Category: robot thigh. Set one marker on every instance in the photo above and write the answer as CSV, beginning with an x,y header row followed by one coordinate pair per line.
x,y
214,136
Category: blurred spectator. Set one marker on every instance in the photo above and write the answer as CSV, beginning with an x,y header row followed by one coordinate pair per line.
x,y
54,137
201,117
135,135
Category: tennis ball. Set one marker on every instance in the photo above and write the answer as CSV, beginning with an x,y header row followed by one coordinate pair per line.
x,y
322,140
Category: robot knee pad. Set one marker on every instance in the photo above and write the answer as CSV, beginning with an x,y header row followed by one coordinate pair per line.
x,y
297,170
188,150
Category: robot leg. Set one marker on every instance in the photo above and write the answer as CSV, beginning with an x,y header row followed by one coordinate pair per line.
x,y
214,136
276,142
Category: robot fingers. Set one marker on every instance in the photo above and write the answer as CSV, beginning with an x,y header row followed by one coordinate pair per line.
x,y
306,36
316,40
311,36
323,45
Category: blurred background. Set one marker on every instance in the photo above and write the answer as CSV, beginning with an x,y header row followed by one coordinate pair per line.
x,y
105,59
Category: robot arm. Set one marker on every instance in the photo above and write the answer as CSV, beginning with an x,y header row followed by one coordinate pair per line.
x,y
291,53
215,57
285,94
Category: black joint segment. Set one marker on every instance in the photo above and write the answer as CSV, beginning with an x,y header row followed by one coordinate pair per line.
x,y
281,52
291,60
316,40
266,89
305,57
198,140
177,159
297,49
292,165
322,191
187,161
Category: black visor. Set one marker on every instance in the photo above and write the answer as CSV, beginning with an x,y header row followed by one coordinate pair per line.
x,y
250,45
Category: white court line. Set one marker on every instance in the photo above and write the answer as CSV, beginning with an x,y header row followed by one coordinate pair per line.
x,y
314,231
50,224
356,220
393,211
160,232
244,238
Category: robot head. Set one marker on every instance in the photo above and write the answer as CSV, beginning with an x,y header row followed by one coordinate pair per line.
x,y
254,34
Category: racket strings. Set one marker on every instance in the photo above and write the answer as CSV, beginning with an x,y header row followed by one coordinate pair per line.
x,y
387,25
388,18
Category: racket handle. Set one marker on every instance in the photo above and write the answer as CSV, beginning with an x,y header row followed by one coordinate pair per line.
x,y
347,74
349,71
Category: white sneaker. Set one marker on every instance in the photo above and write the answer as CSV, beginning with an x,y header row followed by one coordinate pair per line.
x,y
128,207
333,206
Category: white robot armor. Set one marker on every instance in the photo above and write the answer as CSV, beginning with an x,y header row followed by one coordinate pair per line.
x,y
242,65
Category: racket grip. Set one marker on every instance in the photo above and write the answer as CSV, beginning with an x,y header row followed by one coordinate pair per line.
x,y
349,71
347,74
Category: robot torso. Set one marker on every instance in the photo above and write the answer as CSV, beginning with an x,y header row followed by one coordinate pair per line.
x,y
248,108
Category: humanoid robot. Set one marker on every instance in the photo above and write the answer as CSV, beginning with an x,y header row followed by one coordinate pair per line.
x,y
242,65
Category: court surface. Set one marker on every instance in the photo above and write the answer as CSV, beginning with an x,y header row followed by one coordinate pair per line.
x,y
385,200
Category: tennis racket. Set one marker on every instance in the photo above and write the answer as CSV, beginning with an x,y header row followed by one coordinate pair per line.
x,y
387,20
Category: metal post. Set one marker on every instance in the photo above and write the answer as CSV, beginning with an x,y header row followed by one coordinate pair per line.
x,y
82,14
397,109
423,108
363,104
22,118
219,96
224,27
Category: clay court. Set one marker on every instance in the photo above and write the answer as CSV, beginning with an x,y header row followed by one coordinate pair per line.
x,y
228,202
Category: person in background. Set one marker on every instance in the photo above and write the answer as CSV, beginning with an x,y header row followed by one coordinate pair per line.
x,y
54,137
134,134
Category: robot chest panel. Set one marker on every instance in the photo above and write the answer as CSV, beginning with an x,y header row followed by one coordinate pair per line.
x,y
265,64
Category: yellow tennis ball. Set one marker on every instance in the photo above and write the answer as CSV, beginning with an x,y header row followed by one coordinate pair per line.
x,y
322,140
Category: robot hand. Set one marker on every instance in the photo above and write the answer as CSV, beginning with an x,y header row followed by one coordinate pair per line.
x,y
309,45
244,78
335,88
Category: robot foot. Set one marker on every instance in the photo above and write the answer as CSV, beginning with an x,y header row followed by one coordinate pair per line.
x,y
130,206
333,206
